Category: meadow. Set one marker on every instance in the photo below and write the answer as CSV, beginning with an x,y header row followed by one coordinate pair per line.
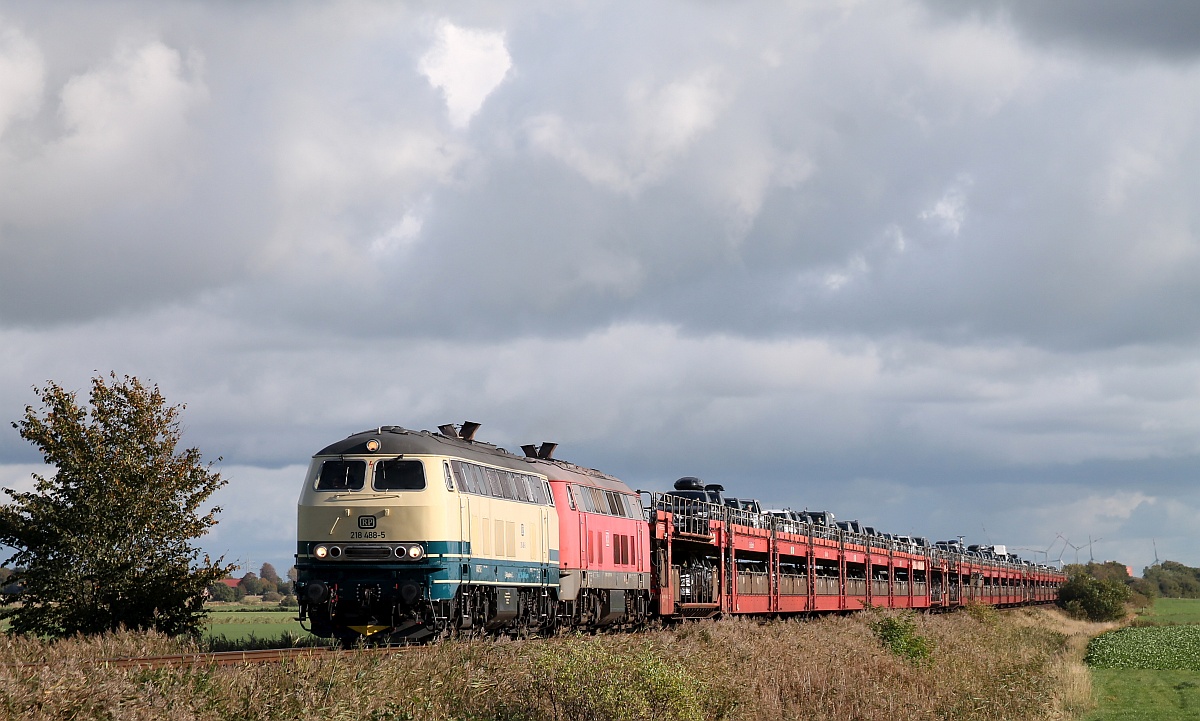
x,y
249,626
1151,669
980,665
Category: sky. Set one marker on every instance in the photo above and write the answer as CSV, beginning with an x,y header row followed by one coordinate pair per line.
x,y
929,265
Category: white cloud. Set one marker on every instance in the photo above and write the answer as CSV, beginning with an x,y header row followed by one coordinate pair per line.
x,y
949,212
22,74
126,126
656,125
398,238
466,65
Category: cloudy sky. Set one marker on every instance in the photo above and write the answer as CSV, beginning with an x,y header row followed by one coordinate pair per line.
x,y
931,268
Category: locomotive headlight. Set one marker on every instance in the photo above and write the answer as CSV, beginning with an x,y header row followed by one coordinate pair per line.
x,y
401,551
415,552
321,551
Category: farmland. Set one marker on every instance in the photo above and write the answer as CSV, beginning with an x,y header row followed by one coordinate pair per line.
x,y
242,624
1149,669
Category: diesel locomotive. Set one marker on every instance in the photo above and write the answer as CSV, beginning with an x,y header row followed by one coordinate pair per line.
x,y
412,536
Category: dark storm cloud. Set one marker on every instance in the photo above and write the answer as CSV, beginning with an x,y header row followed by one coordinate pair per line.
x,y
1162,28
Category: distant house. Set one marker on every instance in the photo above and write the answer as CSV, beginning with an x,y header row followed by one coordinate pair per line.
x,y
231,582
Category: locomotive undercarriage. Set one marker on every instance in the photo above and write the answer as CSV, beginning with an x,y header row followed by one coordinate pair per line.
x,y
400,613
376,611
596,608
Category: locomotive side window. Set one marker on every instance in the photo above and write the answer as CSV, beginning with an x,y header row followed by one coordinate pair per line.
x,y
606,503
478,479
614,504
399,475
500,483
342,476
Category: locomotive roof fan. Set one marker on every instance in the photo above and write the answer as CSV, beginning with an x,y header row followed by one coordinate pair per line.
x,y
689,483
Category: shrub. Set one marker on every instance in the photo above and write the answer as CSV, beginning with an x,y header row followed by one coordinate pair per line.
x,y
1085,597
899,634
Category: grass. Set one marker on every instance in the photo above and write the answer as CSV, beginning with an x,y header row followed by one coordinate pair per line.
x,y
235,624
1149,669
1140,695
985,667
1170,611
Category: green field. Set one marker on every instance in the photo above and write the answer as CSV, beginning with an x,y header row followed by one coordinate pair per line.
x,y
1137,695
1149,671
240,624
1167,611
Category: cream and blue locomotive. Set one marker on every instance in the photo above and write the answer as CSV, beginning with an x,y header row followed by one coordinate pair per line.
x,y
412,535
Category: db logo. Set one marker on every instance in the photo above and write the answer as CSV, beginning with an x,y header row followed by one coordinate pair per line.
x,y
366,521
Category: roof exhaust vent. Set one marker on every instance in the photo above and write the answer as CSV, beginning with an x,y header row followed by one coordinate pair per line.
x,y
530,450
546,450
467,432
448,431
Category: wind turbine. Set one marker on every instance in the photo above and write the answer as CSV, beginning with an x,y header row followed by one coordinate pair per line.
x,y
1091,558
1034,551
1061,551
1155,551
1072,545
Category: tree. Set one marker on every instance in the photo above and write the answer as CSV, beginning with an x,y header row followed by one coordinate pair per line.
x,y
253,585
267,573
1174,580
220,592
1084,596
105,541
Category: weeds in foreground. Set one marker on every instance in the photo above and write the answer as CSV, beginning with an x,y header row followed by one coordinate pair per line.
x,y
833,667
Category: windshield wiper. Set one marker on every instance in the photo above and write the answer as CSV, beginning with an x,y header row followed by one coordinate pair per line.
x,y
372,496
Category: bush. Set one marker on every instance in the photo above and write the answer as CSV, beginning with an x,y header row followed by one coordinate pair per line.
x,y
272,597
899,634
1085,597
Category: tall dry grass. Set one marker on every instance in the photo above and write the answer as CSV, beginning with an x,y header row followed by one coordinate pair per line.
x,y
982,666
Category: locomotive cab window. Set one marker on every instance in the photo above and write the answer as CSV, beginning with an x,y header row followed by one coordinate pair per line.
x,y
342,476
399,475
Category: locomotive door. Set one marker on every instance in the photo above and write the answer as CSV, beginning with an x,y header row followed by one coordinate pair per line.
x,y
464,526
545,543
585,540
